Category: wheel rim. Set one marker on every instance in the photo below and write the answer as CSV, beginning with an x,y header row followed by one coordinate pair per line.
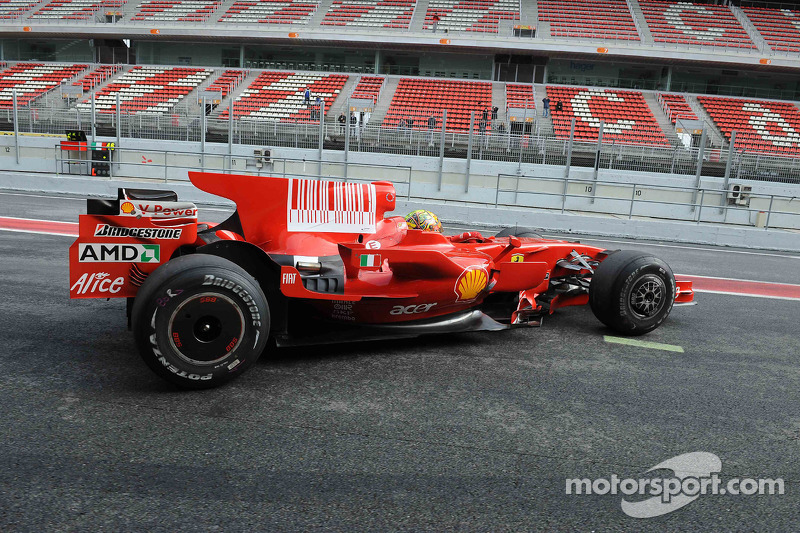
x,y
206,328
648,296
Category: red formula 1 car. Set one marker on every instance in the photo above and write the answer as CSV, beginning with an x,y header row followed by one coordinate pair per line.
x,y
312,262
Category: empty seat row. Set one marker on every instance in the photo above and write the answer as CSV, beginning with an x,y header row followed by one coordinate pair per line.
x,y
32,80
380,14
520,96
760,125
592,19
368,88
280,96
676,107
270,12
779,27
470,15
692,23
148,89
420,99
625,116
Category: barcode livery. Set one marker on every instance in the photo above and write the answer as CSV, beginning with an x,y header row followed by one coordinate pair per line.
x,y
330,207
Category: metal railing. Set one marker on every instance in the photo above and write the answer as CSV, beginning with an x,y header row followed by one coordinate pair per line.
x,y
515,143
557,193
635,200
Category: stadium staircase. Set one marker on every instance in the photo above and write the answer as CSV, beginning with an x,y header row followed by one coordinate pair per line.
x,y
529,14
641,23
340,104
544,125
663,120
244,84
751,30
319,14
418,18
499,100
385,100
718,138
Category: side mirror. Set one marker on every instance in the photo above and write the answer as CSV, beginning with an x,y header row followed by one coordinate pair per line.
x,y
514,241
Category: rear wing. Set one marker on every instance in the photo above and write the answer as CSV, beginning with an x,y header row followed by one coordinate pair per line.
x,y
120,242
301,216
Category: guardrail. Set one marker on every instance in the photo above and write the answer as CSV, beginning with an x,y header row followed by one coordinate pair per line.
x,y
165,165
561,194
632,199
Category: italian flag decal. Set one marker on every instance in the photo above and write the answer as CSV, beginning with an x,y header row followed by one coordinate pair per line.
x,y
370,260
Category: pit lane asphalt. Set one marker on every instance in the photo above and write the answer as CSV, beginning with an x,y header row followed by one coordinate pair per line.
x,y
459,432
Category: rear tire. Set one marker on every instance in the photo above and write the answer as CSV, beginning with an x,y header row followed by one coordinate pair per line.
x,y
632,292
200,320
519,231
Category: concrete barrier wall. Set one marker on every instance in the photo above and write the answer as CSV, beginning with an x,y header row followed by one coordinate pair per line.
x,y
606,205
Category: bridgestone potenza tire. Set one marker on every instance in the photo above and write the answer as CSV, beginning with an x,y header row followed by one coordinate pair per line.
x,y
200,320
632,292
519,231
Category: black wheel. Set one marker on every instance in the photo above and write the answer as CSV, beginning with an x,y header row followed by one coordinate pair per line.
x,y
519,231
632,292
200,320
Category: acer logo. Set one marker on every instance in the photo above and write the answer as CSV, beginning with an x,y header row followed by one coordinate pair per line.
x,y
411,309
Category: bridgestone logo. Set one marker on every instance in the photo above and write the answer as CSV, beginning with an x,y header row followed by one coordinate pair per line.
x,y
107,230
238,290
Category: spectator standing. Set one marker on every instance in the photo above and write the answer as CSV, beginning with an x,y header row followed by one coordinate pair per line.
x,y
545,106
431,126
353,122
435,22
402,125
486,115
318,107
494,113
342,122
307,96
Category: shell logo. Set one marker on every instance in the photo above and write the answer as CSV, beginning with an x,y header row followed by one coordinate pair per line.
x,y
470,284
126,208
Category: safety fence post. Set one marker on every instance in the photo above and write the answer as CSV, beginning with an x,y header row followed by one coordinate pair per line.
x,y
469,150
441,150
700,154
728,163
16,124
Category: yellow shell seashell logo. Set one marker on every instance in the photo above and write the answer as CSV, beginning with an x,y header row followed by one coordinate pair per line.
x,y
470,283
126,208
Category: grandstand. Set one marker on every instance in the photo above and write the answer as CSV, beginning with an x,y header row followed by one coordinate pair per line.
x,y
642,68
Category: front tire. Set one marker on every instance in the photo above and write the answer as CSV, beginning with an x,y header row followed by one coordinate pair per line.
x,y
200,320
632,292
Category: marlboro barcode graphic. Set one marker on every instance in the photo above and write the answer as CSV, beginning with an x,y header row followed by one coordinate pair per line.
x,y
370,260
330,207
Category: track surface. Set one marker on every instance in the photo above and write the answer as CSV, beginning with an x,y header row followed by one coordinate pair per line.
x,y
469,432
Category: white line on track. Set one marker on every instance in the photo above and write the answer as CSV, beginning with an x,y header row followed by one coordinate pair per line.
x,y
748,295
40,220
39,232
738,279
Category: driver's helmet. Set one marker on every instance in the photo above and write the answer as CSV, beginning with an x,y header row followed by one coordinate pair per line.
x,y
424,220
